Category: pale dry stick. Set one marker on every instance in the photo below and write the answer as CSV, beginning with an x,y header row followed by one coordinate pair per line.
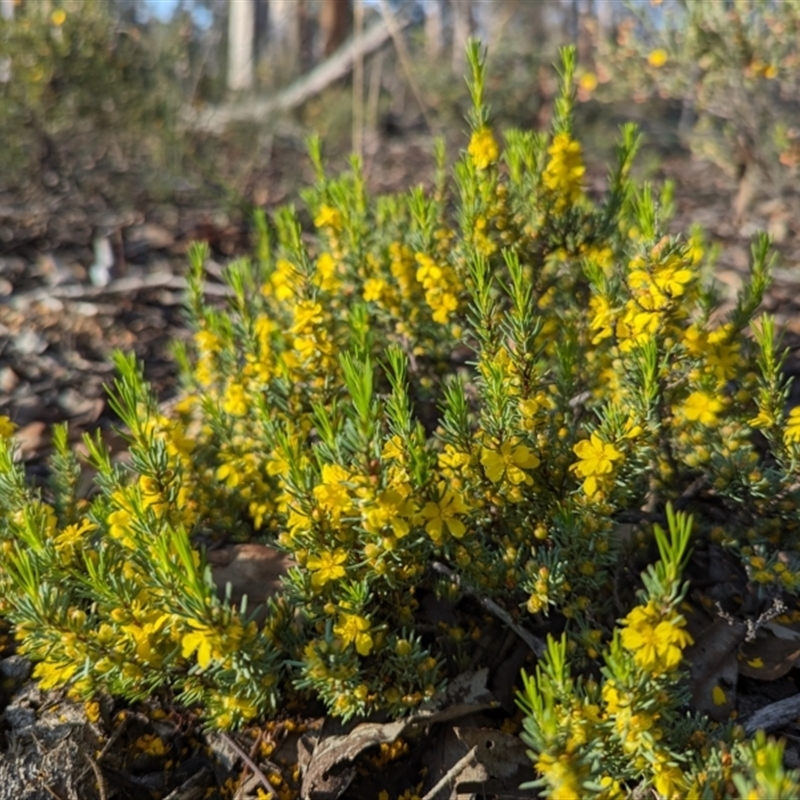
x,y
450,776
194,788
537,645
101,781
405,60
373,98
52,792
158,280
262,778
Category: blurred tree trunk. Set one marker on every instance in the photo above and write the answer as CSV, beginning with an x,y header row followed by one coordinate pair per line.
x,y
434,29
535,15
604,11
358,82
6,12
283,51
334,23
585,40
241,30
570,17
462,30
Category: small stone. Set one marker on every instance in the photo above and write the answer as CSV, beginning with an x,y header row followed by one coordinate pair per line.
x,y
29,342
15,668
19,719
8,380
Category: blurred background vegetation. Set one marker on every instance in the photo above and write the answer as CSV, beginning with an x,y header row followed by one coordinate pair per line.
x,y
127,103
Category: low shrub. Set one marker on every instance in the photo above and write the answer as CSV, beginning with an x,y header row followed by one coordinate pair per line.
x,y
502,386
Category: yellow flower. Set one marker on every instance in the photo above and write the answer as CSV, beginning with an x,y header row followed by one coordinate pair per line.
x,y
7,428
197,640
51,676
58,17
562,774
588,82
563,174
483,148
235,400
307,315
671,278
657,58
354,628
603,318
209,643
390,508
764,419
327,567
596,458
443,514
328,217
452,459
510,460
656,639
394,449
333,493
791,432
207,342
703,408
67,540
326,276
668,780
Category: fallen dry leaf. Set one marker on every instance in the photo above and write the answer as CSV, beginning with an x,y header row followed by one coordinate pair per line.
x,y
768,657
715,667
331,767
255,570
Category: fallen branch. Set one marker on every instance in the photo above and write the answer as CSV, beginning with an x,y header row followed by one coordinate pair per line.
x,y
773,716
215,120
127,286
452,774
535,644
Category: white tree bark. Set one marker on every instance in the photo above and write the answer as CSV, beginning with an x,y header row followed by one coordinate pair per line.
x,y
604,9
6,12
241,27
434,29
284,39
462,30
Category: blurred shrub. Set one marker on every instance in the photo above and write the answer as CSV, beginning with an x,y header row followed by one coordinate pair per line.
x,y
80,88
733,66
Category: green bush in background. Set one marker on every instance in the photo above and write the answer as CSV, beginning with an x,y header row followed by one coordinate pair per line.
x,y
83,91
733,67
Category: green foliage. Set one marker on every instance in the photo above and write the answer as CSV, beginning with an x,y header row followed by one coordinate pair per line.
x,y
329,410
74,73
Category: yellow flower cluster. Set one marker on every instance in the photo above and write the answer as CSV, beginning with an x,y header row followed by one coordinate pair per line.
x,y
483,148
563,175
655,637
791,432
596,464
441,287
